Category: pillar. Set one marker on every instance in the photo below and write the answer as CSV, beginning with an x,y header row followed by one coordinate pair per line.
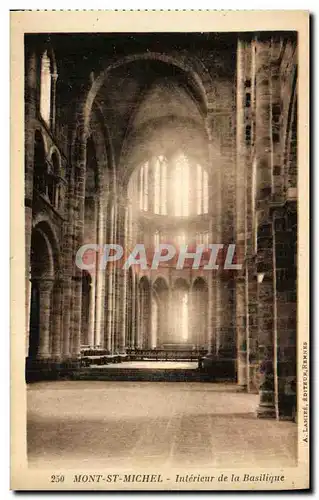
x,y
45,295
210,316
100,278
68,264
123,281
109,284
77,316
150,317
215,211
115,302
242,161
137,343
265,264
133,302
56,320
30,113
91,313
67,294
80,170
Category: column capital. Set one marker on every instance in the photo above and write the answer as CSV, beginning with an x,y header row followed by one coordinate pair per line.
x,y
44,284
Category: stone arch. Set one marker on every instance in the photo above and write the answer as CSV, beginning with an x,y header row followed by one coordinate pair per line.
x,y
44,264
41,222
54,156
200,281
38,130
194,143
172,60
160,283
42,254
181,283
99,132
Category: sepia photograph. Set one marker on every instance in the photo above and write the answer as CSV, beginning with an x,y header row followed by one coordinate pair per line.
x,y
161,201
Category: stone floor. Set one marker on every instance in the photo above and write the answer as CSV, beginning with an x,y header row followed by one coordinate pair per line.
x,y
125,424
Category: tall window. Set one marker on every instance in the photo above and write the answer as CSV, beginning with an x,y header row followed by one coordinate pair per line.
x,y
175,187
181,238
160,185
201,190
181,186
205,192
45,89
157,186
144,187
199,186
156,239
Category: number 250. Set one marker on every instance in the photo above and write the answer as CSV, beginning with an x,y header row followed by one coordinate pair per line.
x,y
59,478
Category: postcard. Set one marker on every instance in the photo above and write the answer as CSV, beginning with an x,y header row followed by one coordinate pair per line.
x,y
160,250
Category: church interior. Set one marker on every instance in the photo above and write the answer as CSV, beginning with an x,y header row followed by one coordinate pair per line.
x,y
163,138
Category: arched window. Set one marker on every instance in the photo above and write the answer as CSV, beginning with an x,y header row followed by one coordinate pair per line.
x,y
144,187
160,185
156,239
181,238
201,190
175,186
157,186
181,186
45,89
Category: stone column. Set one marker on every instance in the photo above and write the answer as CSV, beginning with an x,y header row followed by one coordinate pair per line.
x,y
54,78
241,211
210,309
45,295
77,316
67,294
68,264
265,271
93,275
115,301
213,278
123,282
133,302
241,332
138,315
118,305
78,240
56,320
91,313
30,113
100,278
109,284
150,317
210,299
